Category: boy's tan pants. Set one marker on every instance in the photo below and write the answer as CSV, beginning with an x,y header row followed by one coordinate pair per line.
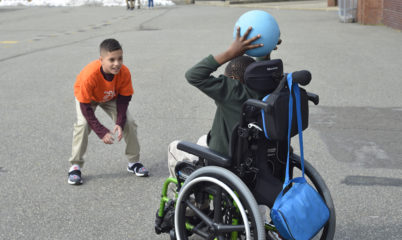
x,y
175,155
82,130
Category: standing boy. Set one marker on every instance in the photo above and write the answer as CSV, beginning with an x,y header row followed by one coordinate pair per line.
x,y
104,83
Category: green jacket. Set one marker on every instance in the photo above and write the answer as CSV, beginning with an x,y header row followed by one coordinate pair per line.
x,y
229,95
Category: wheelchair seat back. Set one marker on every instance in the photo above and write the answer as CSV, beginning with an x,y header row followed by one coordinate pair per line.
x,y
260,160
268,78
264,76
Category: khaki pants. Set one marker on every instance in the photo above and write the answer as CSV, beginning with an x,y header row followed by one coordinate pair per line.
x,y
175,155
82,130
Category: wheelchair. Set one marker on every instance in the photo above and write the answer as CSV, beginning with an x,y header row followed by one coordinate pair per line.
x,y
218,197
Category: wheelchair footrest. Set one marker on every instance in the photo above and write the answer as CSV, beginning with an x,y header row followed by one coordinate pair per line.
x,y
165,223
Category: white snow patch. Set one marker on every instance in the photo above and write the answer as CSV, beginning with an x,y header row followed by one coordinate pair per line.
x,y
77,3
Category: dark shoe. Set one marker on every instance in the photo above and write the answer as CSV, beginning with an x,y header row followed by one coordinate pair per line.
x,y
74,177
132,8
138,169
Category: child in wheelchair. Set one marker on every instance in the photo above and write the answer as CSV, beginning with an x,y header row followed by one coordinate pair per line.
x,y
221,181
228,91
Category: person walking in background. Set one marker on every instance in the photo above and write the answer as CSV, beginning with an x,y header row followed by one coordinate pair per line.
x,y
150,3
131,6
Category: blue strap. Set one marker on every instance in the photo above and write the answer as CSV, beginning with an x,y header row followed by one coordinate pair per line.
x,y
299,125
301,179
290,82
263,117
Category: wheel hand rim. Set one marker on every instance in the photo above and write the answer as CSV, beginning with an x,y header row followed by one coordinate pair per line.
x,y
222,185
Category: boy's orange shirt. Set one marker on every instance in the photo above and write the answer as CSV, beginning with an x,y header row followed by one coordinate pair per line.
x,y
91,85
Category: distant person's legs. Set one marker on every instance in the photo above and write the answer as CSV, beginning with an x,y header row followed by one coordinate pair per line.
x,y
131,5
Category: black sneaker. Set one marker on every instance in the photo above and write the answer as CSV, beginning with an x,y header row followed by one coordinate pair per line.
x,y
138,169
74,177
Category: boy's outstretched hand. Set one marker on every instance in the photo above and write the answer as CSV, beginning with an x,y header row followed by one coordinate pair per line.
x,y
119,131
240,45
109,139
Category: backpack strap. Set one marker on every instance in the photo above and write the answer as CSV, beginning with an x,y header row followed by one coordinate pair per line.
x,y
299,126
290,83
263,117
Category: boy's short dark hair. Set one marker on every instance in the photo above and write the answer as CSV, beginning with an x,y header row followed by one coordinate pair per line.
x,y
237,67
110,45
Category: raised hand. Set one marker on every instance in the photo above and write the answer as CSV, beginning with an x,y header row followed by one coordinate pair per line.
x,y
240,45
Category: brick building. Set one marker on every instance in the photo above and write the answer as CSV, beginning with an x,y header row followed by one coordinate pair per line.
x,y
387,12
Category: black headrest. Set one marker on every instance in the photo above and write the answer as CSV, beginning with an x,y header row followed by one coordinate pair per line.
x,y
264,76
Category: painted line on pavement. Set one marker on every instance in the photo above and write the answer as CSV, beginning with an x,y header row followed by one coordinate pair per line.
x,y
8,42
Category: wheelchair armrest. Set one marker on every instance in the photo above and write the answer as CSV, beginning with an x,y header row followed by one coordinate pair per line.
x,y
313,97
211,156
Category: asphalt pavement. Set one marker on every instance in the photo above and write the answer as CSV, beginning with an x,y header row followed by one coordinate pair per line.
x,y
353,139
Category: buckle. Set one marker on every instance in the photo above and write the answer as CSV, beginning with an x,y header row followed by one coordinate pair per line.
x,y
242,132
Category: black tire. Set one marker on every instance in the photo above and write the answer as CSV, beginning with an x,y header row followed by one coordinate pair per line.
x,y
216,181
312,175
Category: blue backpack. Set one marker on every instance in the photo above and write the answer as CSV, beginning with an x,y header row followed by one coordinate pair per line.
x,y
299,212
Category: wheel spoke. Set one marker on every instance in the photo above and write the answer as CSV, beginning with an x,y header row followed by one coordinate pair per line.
x,y
230,202
224,228
199,213
199,232
218,206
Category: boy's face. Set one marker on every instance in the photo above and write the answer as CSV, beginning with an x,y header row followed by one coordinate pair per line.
x,y
111,61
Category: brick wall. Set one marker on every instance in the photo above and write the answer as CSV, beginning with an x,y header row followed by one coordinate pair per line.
x,y
331,3
392,14
370,11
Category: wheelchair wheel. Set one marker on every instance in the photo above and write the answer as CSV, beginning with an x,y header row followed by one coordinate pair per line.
x,y
214,203
314,178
